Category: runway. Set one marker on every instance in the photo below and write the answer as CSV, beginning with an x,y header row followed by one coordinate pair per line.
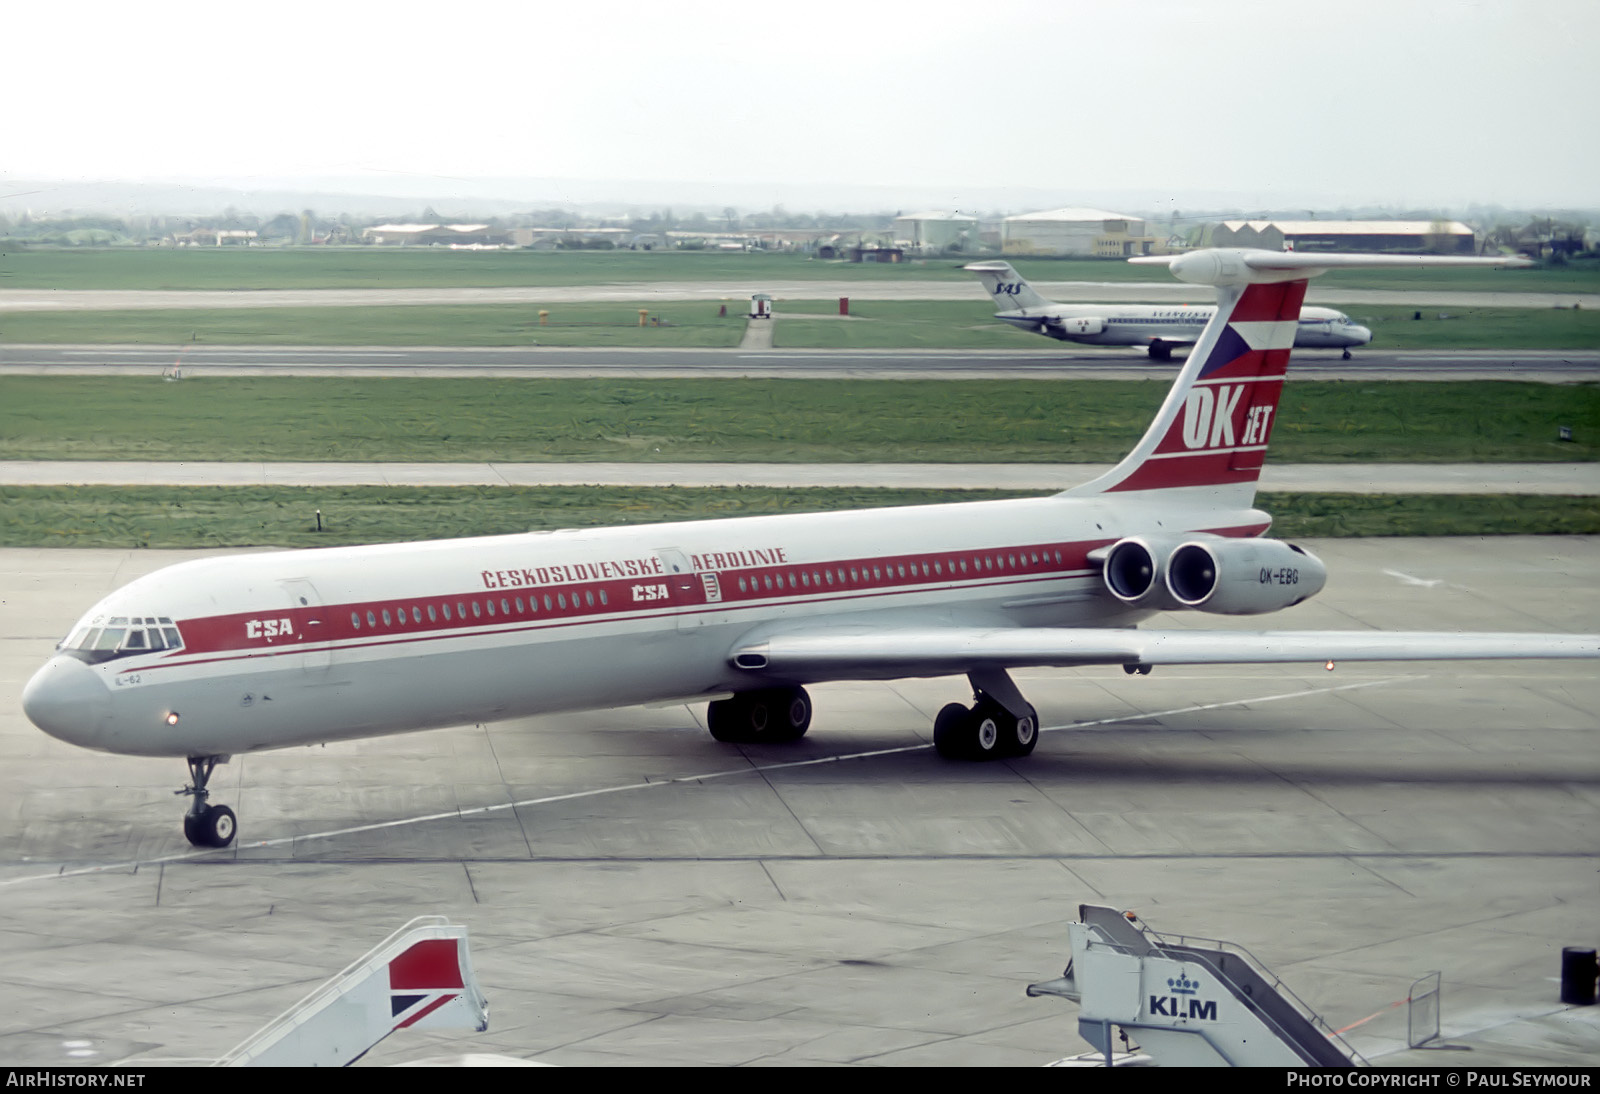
x,y
1075,362
1066,292
1444,478
639,894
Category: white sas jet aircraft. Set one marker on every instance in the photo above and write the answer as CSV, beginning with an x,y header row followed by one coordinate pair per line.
x,y
1161,327
220,656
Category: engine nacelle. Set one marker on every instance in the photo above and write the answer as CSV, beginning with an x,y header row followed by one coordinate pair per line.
x,y
1135,572
1083,326
1242,576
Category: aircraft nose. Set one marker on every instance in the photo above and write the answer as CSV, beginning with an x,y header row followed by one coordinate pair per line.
x,y
68,701
1364,334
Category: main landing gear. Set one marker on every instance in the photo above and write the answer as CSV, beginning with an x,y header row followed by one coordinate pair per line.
x,y
999,724
760,717
206,825
1160,351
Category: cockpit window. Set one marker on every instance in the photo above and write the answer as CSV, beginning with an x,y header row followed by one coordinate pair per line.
x,y
122,636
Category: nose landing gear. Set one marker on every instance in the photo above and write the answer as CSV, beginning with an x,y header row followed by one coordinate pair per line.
x,y
206,825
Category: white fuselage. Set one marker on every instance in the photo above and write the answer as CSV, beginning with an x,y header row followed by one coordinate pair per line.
x,y
1142,324
299,647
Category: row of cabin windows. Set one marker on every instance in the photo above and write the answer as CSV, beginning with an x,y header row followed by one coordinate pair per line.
x,y
937,569
796,579
480,609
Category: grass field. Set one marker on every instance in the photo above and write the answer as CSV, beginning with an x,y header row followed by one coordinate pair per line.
x,y
784,421
396,267
1479,328
407,267
171,517
688,325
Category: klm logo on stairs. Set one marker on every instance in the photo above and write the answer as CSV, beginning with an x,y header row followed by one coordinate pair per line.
x,y
1183,1002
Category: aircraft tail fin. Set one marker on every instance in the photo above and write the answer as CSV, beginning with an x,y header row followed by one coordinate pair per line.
x,y
1008,288
1209,440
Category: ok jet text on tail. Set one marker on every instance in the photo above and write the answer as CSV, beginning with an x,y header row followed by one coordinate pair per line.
x,y
1160,328
220,656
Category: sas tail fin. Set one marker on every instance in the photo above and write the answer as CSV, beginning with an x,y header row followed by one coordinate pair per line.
x,y
1209,439
1010,291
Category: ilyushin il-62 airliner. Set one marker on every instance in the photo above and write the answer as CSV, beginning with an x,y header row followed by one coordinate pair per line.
x,y
216,657
1160,328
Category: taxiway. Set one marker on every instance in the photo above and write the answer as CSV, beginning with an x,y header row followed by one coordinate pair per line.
x,y
639,894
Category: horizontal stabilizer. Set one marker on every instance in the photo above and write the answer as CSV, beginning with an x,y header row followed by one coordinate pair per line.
x,y
863,654
1242,266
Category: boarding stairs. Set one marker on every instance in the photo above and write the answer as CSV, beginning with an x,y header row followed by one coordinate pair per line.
x,y
420,977
1191,1002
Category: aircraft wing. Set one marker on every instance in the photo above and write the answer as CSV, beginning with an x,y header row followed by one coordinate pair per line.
x,y
861,654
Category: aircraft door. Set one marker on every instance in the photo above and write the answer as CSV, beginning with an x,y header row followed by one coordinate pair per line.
x,y
310,624
686,588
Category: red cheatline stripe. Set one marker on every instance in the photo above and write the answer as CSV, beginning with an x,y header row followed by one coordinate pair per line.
x,y
215,634
425,1011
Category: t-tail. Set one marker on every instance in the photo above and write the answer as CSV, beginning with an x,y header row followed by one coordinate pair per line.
x,y
1209,440
1011,293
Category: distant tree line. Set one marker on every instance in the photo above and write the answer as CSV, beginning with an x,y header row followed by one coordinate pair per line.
x,y
1537,234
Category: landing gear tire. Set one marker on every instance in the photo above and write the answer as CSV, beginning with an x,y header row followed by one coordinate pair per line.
x,y
761,717
947,731
1020,735
1160,352
984,738
1347,355
213,826
971,733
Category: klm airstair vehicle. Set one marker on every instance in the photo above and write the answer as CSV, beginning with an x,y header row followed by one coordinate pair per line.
x,y
1187,1002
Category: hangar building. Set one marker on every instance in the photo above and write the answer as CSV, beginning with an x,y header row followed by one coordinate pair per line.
x,y
934,232
1413,236
1083,232
431,234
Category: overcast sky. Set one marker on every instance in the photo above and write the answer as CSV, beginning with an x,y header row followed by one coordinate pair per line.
x,y
1278,102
